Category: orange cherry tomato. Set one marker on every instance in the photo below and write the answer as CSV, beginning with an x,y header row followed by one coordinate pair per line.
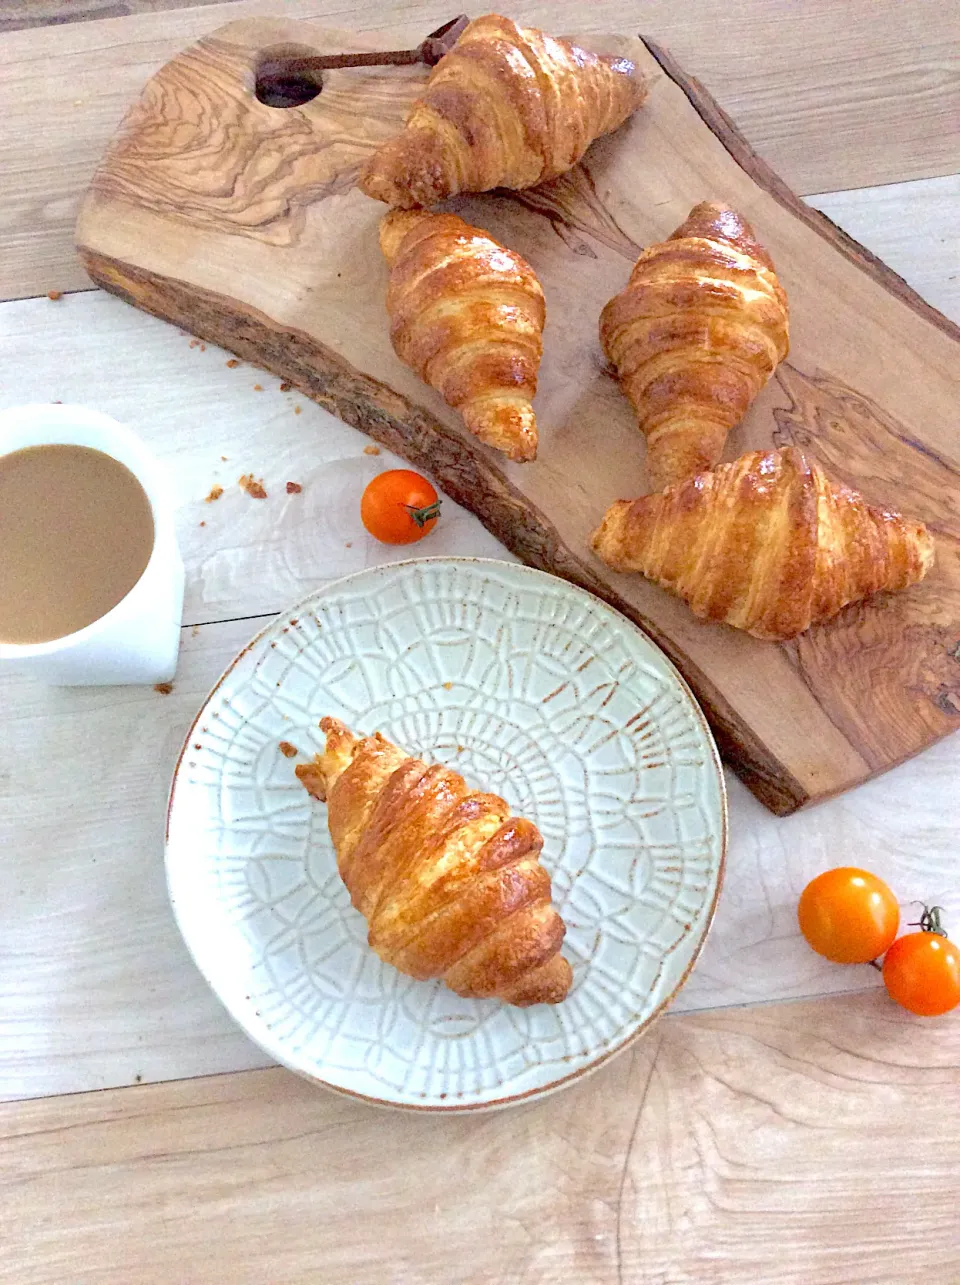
x,y
399,507
848,915
922,970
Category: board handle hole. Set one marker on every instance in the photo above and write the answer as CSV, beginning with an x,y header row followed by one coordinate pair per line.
x,y
280,82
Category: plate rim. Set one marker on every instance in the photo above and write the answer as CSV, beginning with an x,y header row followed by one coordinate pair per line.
x,y
601,1059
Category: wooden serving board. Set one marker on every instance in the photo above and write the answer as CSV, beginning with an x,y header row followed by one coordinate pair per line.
x,y
241,222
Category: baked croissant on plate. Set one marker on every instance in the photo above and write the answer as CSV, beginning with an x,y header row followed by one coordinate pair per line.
x,y
508,106
698,330
467,315
450,884
768,544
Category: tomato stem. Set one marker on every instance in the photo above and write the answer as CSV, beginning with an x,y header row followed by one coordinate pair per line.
x,y
424,515
929,921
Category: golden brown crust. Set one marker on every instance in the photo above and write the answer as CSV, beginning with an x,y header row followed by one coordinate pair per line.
x,y
508,107
467,315
450,884
768,544
699,329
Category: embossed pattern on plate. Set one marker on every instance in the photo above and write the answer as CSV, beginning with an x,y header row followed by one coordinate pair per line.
x,y
529,687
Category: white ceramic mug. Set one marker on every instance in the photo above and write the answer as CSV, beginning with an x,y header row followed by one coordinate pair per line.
x,y
137,641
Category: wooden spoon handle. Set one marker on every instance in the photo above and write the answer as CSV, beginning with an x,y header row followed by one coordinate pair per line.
x,y
325,62
429,51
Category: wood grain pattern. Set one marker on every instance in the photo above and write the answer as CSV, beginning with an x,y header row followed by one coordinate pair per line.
x,y
834,96
804,1144
169,234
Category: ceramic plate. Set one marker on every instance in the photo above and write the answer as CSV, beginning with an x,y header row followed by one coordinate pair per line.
x,y
532,689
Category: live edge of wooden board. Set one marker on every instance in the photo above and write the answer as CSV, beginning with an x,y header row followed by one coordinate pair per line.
x,y
242,223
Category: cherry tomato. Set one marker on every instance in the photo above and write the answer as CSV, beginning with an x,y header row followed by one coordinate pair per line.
x,y
399,507
848,915
922,970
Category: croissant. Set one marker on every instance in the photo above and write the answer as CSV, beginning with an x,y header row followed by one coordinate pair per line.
x,y
449,883
508,106
696,333
768,544
467,315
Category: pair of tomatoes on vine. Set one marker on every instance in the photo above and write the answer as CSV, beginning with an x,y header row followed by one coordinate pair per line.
x,y
851,917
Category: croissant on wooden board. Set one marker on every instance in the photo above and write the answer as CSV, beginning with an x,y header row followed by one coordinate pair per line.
x,y
699,329
467,315
508,106
450,884
768,544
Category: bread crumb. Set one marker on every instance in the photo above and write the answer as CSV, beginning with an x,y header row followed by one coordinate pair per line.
x,y
194,343
223,457
203,524
294,488
215,493
203,347
163,688
348,545
258,388
54,295
194,631
285,387
448,687
233,363
287,750
297,410
371,450
252,486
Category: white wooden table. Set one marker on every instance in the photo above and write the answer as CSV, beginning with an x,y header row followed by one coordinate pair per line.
x,y
807,1142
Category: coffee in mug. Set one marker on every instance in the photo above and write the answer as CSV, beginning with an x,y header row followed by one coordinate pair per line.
x,y
91,579
76,533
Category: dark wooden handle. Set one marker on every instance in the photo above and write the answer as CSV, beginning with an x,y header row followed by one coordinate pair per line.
x,y
429,51
284,68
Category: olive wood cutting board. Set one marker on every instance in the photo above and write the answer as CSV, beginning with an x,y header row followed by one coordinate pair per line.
x,y
241,222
